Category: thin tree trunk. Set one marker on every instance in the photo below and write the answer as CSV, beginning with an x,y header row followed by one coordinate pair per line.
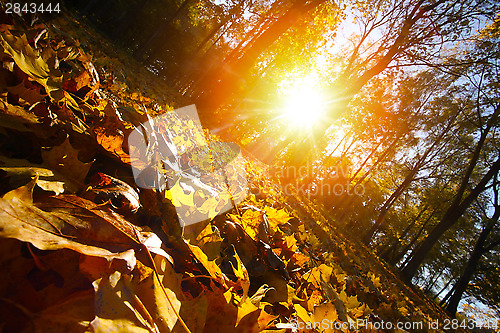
x,y
480,248
406,182
447,284
392,247
470,269
402,253
453,213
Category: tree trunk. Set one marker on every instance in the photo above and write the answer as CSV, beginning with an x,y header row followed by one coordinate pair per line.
x,y
470,269
401,254
477,253
406,182
389,251
453,213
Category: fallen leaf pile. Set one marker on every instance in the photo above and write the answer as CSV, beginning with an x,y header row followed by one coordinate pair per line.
x,y
84,250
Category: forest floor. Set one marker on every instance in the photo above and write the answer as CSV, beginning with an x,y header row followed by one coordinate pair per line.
x,y
79,254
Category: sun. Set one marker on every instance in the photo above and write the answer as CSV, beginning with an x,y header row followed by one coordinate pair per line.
x,y
304,105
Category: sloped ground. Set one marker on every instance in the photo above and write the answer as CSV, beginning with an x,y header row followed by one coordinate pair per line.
x,y
84,250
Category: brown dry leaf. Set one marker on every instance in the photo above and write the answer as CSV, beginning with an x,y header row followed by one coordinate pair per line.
x,y
64,160
66,114
28,60
73,223
29,95
194,313
23,193
112,142
72,315
104,188
118,308
221,314
19,171
16,117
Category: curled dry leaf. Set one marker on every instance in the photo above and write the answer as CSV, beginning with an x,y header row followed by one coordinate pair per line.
x,y
103,188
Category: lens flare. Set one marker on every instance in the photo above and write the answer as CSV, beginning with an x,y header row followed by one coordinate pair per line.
x,y
304,105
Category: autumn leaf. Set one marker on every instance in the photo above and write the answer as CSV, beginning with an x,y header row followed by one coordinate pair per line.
x,y
326,311
350,302
375,280
302,313
210,266
277,217
25,57
318,274
112,142
64,160
241,274
48,180
72,223
250,221
16,117
23,193
31,94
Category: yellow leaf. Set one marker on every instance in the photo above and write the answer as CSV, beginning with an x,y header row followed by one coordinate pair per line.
x,y
179,197
315,299
250,221
350,302
375,280
327,312
277,217
302,313
404,311
244,309
322,272
210,266
291,243
242,275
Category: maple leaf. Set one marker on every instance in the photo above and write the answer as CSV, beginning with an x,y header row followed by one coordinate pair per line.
x,y
210,266
375,280
350,302
277,217
64,160
250,221
325,311
318,274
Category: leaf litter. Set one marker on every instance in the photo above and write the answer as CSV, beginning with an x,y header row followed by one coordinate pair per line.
x,y
84,251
